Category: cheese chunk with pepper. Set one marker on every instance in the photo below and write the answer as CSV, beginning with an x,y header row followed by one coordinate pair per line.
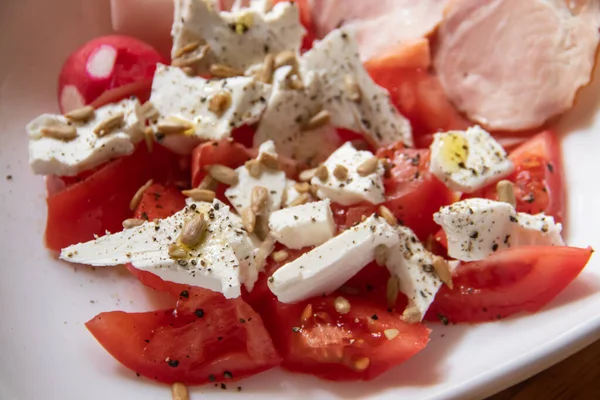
x,y
476,228
222,261
305,225
274,180
49,155
353,99
286,116
207,109
468,161
237,39
345,184
326,267
413,267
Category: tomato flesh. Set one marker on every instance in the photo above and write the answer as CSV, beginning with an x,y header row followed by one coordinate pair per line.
x,y
508,282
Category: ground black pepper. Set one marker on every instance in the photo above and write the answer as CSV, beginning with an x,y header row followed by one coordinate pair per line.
x,y
199,313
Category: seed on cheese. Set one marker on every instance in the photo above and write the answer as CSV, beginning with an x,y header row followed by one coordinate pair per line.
x,y
213,108
343,183
476,228
238,39
326,267
304,225
222,261
348,93
77,148
467,161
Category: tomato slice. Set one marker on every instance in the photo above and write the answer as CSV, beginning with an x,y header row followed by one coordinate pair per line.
x,y
209,339
413,194
100,202
223,152
508,282
314,338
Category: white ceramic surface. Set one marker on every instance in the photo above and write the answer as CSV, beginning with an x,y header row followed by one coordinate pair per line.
x,y
48,354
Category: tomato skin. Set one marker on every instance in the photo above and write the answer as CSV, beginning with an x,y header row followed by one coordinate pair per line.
x,y
330,345
508,282
210,339
413,194
100,202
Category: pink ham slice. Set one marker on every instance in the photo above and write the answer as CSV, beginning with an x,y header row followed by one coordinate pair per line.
x,y
513,64
383,28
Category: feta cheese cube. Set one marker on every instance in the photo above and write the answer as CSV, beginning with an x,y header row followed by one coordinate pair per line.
x,y
467,161
354,188
353,99
305,225
476,228
240,194
326,267
223,261
413,265
287,112
51,156
238,39
185,98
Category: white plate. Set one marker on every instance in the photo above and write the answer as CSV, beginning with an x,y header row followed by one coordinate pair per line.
x,y
48,354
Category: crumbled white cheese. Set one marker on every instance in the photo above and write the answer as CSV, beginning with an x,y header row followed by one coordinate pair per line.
x,y
305,225
287,112
237,39
476,228
187,99
50,156
337,62
223,261
274,181
326,267
468,161
354,188
291,193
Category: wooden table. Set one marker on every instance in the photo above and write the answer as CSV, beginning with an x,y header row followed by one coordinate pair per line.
x,y
576,378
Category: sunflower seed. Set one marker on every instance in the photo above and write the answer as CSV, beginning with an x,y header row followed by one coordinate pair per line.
x,y
442,268
362,363
367,167
208,183
506,192
191,60
269,161
392,290
220,102
340,172
391,334
176,251
81,114
322,173
411,315
307,174
254,168
172,126
248,219
341,305
295,83
302,187
360,144
60,132
137,197
380,253
192,230
188,48
132,222
109,124
223,174
223,71
316,121
280,256
189,71
200,194
286,57
302,199
307,313
386,214
179,391
267,68
148,111
352,88
149,138
258,198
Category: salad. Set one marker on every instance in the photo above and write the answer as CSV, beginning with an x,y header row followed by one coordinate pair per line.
x,y
316,184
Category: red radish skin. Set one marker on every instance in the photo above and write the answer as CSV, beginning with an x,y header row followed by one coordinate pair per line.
x,y
105,70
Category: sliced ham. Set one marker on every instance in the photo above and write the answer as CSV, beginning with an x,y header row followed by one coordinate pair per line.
x,y
513,64
383,28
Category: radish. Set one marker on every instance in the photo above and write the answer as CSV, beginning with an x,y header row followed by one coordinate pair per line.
x,y
105,70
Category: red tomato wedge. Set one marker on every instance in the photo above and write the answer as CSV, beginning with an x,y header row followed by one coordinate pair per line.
x,y
209,339
159,202
413,194
508,282
314,338
100,202
538,177
223,152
